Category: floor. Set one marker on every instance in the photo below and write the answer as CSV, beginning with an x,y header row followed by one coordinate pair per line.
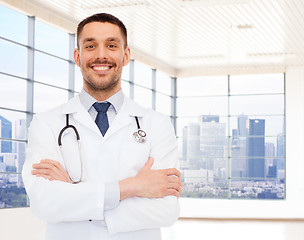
x,y
235,230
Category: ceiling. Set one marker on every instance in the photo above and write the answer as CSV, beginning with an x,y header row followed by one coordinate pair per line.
x,y
194,37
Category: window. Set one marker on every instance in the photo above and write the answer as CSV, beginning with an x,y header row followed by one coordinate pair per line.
x,y
51,40
50,85
51,70
13,58
13,73
142,75
12,157
163,93
230,129
44,97
143,96
13,25
232,136
12,92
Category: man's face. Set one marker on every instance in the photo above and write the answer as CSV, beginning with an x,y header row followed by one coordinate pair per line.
x,y
101,57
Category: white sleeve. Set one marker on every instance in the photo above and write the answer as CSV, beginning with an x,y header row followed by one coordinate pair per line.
x,y
143,213
55,201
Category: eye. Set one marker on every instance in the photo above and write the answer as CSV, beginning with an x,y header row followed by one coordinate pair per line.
x,y
111,46
90,47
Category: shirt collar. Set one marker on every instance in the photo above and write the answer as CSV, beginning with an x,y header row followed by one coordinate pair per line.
x,y
87,100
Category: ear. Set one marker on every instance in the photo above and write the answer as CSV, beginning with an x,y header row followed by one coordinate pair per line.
x,y
76,57
127,56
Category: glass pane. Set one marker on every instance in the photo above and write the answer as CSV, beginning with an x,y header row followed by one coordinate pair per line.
x,y
78,79
274,168
257,146
257,105
16,30
12,96
273,125
13,59
163,104
142,75
163,83
51,70
253,84
12,194
12,161
125,73
250,189
202,86
125,88
46,97
258,157
51,40
203,183
205,146
13,125
183,122
194,106
203,158
143,96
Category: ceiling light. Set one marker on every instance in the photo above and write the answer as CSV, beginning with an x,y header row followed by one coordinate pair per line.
x,y
139,6
215,56
244,26
271,54
204,3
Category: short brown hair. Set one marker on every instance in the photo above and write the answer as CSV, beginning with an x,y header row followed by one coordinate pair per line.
x,y
104,18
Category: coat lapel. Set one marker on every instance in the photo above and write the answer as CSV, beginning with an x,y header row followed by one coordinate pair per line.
x,y
80,114
125,116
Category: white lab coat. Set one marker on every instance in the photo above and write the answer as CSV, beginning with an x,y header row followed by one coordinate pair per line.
x,y
68,208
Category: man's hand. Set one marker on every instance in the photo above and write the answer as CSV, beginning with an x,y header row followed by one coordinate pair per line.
x,y
152,183
51,170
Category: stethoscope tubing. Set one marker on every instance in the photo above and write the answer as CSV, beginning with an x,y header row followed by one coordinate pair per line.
x,y
139,136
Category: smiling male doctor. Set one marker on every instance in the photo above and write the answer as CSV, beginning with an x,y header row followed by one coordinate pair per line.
x,y
128,189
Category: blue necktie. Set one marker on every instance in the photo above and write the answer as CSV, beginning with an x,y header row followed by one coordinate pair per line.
x,y
102,119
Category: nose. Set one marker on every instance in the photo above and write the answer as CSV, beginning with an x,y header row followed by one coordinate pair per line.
x,y
101,53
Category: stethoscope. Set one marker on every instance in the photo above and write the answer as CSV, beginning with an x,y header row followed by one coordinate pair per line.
x,y
139,136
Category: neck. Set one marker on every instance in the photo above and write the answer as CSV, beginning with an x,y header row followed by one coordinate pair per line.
x,y
101,95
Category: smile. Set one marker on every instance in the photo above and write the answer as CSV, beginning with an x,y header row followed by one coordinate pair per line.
x,y
101,68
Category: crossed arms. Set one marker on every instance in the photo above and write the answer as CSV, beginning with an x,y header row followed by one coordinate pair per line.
x,y
54,199
147,183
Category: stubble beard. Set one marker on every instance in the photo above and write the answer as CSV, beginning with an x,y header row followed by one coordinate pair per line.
x,y
98,84
101,86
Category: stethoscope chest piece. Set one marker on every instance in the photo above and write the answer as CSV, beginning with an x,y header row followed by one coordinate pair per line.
x,y
139,135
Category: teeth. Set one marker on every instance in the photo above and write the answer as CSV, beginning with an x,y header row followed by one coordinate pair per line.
x,y
101,68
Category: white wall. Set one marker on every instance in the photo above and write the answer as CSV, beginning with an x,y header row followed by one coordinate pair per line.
x,y
20,224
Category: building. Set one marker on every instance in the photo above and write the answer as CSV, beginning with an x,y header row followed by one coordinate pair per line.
x,y
20,133
194,155
213,144
256,149
280,152
239,148
198,176
5,132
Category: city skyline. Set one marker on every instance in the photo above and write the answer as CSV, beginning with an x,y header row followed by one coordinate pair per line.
x,y
206,151
12,157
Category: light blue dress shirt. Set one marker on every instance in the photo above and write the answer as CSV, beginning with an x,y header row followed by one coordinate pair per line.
x,y
112,191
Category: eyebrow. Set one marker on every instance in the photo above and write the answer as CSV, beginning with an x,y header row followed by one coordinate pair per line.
x,y
88,40
113,39
110,39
